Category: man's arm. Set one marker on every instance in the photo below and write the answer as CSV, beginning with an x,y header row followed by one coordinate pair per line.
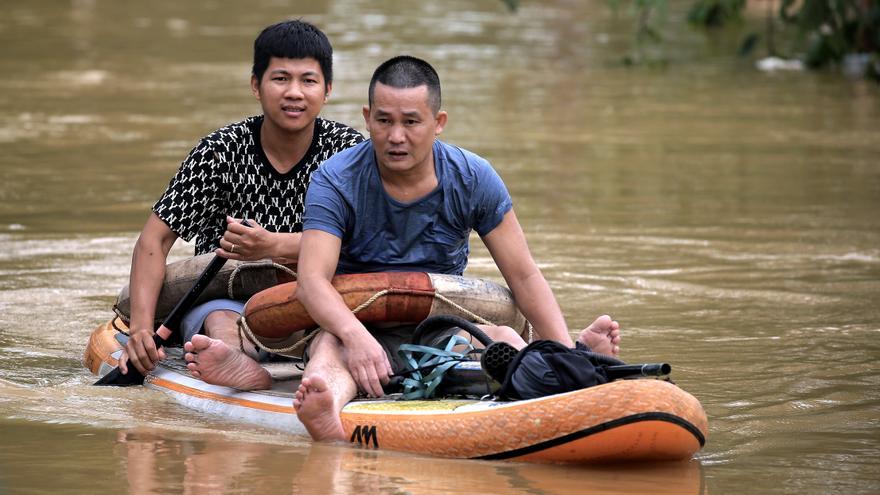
x,y
145,283
508,247
318,257
256,243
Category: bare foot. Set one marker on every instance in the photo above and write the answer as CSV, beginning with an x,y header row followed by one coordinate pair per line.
x,y
313,402
213,361
602,336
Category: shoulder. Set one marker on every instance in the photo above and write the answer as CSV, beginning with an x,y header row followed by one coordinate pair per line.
x,y
337,134
235,132
331,138
463,163
349,160
347,171
236,137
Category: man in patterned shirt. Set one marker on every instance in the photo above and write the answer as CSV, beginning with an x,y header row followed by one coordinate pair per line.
x,y
257,169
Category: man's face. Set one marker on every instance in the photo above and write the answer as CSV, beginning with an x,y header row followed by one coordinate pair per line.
x,y
291,93
402,127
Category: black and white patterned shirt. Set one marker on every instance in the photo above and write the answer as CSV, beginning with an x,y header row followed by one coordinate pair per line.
x,y
228,173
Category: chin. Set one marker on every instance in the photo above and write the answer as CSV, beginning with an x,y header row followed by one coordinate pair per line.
x,y
297,126
397,166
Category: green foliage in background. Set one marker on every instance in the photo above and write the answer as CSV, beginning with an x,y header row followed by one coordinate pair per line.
x,y
650,13
831,30
511,4
826,32
715,13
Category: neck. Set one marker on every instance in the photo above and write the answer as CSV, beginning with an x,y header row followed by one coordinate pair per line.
x,y
285,149
410,185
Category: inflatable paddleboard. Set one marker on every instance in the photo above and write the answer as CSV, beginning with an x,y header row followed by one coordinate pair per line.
x,y
622,421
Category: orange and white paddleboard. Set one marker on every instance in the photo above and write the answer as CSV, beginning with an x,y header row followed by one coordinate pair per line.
x,y
623,421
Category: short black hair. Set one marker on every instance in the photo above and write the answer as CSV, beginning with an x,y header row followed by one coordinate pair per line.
x,y
293,39
405,71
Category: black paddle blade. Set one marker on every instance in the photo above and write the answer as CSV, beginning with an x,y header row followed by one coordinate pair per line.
x,y
117,379
133,377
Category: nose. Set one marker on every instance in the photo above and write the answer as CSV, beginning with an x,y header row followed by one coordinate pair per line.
x,y
293,90
397,134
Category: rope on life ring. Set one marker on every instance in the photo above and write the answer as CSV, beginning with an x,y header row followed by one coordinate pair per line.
x,y
242,266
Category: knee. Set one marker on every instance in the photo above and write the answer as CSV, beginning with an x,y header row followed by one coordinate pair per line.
x,y
504,334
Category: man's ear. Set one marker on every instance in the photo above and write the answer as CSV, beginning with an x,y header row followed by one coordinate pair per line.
x,y
366,111
440,120
328,89
255,86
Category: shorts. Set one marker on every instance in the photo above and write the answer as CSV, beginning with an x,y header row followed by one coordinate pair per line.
x,y
194,320
391,338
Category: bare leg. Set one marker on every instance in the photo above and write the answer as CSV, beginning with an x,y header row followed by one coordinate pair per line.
x,y
219,361
325,389
223,325
500,334
602,336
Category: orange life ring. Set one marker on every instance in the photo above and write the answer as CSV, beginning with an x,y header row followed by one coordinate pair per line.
x,y
274,314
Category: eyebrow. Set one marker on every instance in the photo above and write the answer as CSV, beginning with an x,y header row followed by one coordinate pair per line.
x,y
287,72
411,113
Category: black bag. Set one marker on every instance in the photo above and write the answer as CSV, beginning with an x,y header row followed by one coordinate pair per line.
x,y
547,367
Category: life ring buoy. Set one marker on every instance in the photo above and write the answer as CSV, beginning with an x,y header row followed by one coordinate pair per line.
x,y
274,316
246,277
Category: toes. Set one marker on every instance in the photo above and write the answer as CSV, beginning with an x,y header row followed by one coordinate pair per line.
x,y
300,392
194,370
317,384
198,342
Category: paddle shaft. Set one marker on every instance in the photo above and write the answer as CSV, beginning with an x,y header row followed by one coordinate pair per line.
x,y
637,370
171,322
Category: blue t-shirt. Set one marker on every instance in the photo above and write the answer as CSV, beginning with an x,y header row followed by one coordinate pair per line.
x,y
346,198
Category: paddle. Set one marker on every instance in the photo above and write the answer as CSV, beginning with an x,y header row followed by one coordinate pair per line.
x,y
172,323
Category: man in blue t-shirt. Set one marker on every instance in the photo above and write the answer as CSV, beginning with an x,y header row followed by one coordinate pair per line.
x,y
381,232
406,201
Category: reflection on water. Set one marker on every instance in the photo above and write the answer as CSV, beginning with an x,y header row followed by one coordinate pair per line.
x,y
148,460
727,218
156,461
